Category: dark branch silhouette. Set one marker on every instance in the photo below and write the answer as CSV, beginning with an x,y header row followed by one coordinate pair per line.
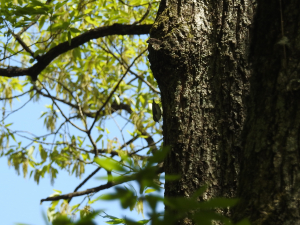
x,y
45,60
160,170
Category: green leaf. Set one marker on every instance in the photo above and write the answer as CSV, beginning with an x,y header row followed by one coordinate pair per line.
x,y
42,21
43,153
60,4
117,99
90,20
61,220
38,52
56,193
74,30
69,38
149,191
126,197
159,156
135,2
30,151
54,203
115,221
139,206
99,137
200,192
37,3
143,221
80,141
43,114
243,222
12,136
109,164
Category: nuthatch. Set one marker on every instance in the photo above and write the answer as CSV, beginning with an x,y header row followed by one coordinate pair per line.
x,y
156,112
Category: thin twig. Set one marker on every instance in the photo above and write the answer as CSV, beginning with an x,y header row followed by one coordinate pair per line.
x,y
17,109
33,22
62,111
122,62
96,189
84,181
144,16
113,91
16,96
133,153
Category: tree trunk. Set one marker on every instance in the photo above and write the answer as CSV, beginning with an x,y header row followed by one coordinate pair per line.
x,y
198,55
270,179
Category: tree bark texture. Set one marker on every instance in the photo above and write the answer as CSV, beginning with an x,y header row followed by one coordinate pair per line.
x,y
270,179
198,52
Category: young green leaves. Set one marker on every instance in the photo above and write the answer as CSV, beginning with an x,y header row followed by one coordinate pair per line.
x,y
156,112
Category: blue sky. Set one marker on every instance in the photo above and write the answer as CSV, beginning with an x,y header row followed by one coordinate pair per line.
x,y
20,198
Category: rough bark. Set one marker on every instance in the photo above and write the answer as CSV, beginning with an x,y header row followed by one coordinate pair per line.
x,y
198,55
270,179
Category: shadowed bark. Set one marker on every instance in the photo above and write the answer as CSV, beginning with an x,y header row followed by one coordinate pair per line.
x,y
270,178
198,54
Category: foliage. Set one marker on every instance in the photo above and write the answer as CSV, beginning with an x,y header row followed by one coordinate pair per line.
x,y
88,85
81,79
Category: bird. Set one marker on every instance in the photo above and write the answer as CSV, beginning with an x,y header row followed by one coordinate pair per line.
x,y
156,112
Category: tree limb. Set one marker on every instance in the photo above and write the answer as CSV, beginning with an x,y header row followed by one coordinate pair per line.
x,y
45,60
80,193
160,169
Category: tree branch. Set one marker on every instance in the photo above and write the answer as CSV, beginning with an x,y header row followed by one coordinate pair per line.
x,y
80,193
33,22
45,60
113,153
85,180
23,44
122,62
160,169
62,113
144,16
115,88
115,106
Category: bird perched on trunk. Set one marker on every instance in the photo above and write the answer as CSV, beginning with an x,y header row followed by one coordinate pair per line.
x,y
156,112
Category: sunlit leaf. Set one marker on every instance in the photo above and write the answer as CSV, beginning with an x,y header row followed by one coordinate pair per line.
x,y
109,164
149,191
